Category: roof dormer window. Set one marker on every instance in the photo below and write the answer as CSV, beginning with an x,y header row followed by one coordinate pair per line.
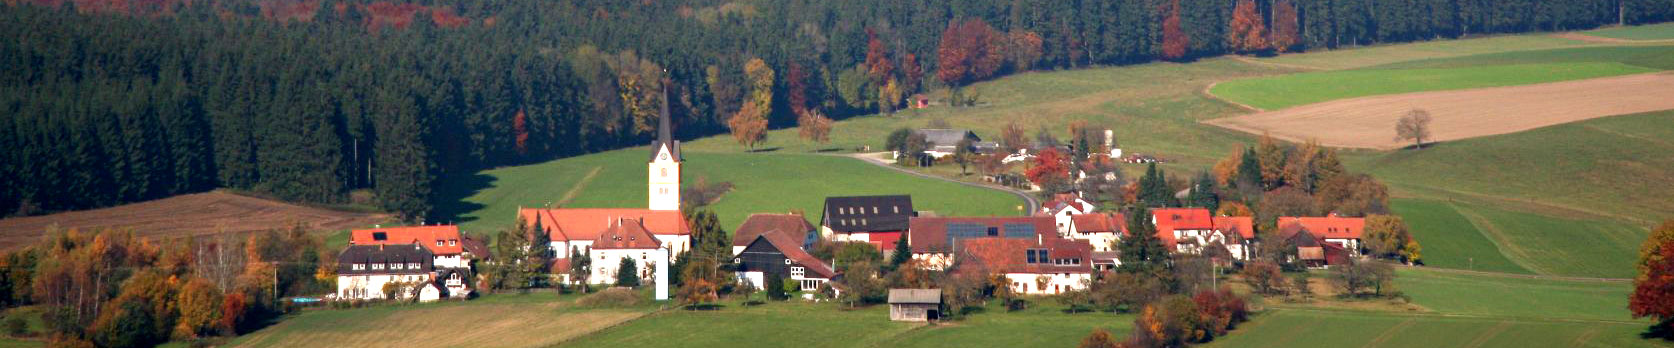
x,y
453,242
438,242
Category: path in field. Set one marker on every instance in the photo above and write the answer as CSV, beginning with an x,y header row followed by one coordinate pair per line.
x,y
1369,122
876,159
187,215
1600,39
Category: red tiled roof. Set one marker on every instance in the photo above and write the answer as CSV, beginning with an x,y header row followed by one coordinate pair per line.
x,y
1007,255
1100,223
1065,201
428,236
929,234
1330,227
565,224
626,233
794,225
1243,225
1169,220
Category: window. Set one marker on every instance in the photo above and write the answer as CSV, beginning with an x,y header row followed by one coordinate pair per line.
x,y
358,266
413,265
453,242
993,231
787,261
377,266
395,266
438,242
379,236
897,209
1037,256
665,170
796,272
874,210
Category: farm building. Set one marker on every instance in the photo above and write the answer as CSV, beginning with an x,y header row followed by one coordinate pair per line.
x,y
626,238
781,254
1102,230
932,239
1190,230
793,225
363,270
915,304
1345,232
443,241
1313,252
1062,206
880,220
945,142
1043,266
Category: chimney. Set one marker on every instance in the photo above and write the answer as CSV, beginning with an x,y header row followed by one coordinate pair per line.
x,y
1109,139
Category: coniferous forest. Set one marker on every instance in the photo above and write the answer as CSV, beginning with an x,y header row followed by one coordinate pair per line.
x,y
105,102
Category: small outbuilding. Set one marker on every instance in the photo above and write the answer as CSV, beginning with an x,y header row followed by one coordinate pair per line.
x,y
915,304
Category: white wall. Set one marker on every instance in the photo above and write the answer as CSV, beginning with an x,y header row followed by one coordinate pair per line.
x,y
935,261
605,262
371,287
1025,283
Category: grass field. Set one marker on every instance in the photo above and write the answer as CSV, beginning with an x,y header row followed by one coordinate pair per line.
x,y
1449,239
187,215
1278,92
762,183
826,325
1664,31
531,320
1358,57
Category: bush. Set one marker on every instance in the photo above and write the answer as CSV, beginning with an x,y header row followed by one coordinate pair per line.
x,y
611,298
15,326
1016,304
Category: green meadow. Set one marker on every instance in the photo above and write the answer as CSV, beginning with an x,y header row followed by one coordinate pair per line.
x,y
1278,92
762,183
1449,239
1663,31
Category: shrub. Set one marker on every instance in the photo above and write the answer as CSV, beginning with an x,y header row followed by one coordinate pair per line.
x,y
611,298
1016,304
15,326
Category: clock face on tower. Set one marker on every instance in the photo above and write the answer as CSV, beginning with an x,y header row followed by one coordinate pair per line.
x,y
663,156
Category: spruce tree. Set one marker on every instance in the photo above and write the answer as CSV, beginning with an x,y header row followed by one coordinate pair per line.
x,y
627,273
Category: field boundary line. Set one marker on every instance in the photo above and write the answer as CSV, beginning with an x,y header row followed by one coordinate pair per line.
x,y
1211,95
1500,239
1247,59
1390,333
1586,336
579,185
1578,36
1519,276
1511,318
1489,334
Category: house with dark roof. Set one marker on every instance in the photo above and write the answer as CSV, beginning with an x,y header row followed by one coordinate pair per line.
x,y
625,238
444,241
879,220
794,225
1041,266
933,240
945,142
1313,252
363,270
780,253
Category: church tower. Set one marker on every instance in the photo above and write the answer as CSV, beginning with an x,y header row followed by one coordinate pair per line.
x,y
664,182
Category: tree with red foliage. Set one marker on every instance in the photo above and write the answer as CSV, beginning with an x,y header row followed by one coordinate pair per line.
x,y
969,51
1175,41
1653,288
878,65
1285,32
796,86
912,74
1050,170
1246,33
520,127
232,310
1023,49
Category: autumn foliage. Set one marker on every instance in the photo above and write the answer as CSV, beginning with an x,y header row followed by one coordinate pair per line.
x,y
1285,26
749,125
813,126
1246,33
1653,288
1174,39
1051,168
970,50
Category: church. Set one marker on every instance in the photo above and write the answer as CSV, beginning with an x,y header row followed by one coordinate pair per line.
x,y
608,235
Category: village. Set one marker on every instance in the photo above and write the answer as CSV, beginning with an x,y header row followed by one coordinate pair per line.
x,y
1065,247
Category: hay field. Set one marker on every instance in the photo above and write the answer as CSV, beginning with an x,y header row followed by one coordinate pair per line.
x,y
187,215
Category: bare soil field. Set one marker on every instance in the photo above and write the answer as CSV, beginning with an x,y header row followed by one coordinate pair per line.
x,y
503,325
1369,122
186,215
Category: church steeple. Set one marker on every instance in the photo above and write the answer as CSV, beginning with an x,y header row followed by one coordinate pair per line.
x,y
663,182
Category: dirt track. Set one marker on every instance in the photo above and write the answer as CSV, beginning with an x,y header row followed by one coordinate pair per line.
x,y
186,215
1369,122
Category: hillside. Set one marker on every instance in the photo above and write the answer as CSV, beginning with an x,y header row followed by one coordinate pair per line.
x,y
188,215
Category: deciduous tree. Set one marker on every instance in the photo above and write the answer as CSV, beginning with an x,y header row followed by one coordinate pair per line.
x,y
1098,339
813,126
1246,33
1286,28
1386,235
1050,170
1653,286
1414,126
1174,40
749,126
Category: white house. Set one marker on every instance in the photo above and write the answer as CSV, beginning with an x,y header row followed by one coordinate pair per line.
x,y
446,245
933,240
1101,230
363,270
1189,230
625,239
1064,205
1038,267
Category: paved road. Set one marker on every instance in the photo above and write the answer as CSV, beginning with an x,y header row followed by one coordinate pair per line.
x,y
876,158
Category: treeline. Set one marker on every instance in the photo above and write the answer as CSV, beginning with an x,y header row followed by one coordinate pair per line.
x,y
103,109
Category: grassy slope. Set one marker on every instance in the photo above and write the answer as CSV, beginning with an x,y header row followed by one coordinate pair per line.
x,y
1449,239
1450,73
1466,309
530,320
1664,31
761,183
1278,92
825,325
1385,54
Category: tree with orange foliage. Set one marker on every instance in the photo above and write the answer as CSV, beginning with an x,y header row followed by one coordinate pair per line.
x,y
970,50
1099,339
1023,49
1175,40
813,126
1050,170
748,126
1230,208
1653,287
520,127
1285,31
1246,33
1226,170
878,65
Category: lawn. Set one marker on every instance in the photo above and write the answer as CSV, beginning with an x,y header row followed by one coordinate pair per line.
x,y
762,183
1663,31
1449,239
1330,328
1349,58
538,319
1278,92
1486,294
804,324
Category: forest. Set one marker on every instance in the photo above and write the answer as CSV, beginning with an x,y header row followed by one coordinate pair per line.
x,y
104,102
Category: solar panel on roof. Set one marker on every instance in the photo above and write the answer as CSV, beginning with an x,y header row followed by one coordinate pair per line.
x,y
957,231
1020,230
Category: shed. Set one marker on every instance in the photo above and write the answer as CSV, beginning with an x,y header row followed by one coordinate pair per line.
x,y
915,304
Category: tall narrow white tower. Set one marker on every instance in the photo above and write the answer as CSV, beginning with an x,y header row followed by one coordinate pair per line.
x,y
664,181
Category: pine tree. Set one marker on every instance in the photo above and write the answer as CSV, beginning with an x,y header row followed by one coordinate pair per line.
x,y
627,273
1141,251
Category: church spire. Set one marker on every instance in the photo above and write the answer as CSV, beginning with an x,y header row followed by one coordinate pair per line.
x,y
664,131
